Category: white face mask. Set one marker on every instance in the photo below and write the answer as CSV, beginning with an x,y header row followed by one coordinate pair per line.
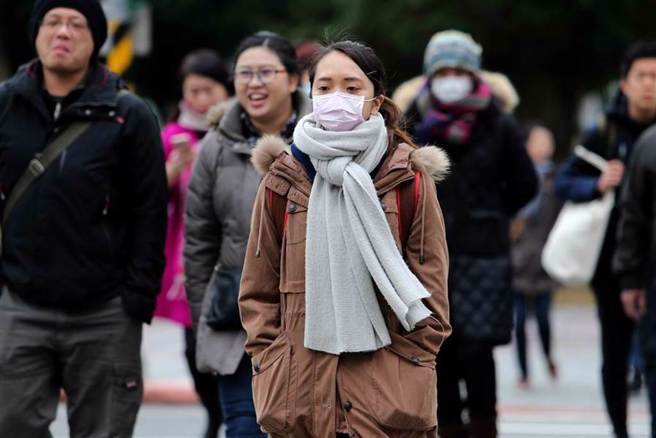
x,y
451,89
338,111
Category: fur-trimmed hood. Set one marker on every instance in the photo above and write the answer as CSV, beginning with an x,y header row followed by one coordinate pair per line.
x,y
216,113
502,89
429,160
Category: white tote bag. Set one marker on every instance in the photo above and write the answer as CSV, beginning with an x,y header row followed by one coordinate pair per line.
x,y
572,249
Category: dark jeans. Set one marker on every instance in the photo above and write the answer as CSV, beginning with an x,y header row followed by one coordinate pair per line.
x,y
541,305
616,332
472,362
236,396
94,356
206,385
635,354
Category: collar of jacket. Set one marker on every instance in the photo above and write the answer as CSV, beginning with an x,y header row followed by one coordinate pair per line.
x,y
99,92
618,113
230,126
271,156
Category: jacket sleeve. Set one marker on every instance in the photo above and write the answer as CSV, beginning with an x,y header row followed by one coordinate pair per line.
x,y
5,98
634,230
520,182
428,258
202,227
259,294
147,209
576,180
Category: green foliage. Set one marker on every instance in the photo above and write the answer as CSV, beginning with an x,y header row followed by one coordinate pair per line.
x,y
553,51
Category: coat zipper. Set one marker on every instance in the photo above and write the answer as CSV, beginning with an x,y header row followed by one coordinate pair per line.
x,y
104,225
57,111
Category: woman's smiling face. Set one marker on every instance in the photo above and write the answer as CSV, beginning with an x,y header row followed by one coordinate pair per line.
x,y
262,98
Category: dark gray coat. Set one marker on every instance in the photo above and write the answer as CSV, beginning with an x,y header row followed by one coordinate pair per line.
x,y
528,275
217,219
634,260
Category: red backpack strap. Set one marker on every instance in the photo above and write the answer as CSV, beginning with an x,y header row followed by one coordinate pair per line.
x,y
278,207
407,198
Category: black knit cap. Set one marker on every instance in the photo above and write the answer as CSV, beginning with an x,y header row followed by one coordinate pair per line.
x,y
91,10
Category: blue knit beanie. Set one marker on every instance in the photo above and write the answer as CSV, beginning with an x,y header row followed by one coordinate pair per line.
x,y
452,48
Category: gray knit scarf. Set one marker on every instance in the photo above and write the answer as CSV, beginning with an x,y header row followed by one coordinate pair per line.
x,y
349,244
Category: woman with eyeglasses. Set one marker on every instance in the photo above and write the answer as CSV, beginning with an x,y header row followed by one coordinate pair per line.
x,y
344,290
217,217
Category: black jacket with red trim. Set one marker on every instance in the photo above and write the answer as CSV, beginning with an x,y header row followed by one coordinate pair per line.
x,y
92,226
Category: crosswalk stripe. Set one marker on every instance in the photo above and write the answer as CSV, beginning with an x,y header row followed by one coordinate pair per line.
x,y
531,429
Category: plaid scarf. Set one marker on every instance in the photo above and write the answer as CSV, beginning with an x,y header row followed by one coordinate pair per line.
x,y
451,122
252,135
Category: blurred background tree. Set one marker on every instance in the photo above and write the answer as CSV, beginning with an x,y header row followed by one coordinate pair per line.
x,y
554,52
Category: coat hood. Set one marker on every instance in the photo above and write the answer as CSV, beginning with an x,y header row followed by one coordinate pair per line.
x,y
227,115
430,160
502,89
216,113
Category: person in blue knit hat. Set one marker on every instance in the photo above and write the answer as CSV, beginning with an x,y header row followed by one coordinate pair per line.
x,y
492,179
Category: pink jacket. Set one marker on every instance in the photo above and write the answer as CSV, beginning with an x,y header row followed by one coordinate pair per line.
x,y
172,299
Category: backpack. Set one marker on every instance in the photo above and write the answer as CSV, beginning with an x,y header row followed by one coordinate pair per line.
x,y
407,199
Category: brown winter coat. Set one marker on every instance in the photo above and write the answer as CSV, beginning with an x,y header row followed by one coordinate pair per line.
x,y
303,393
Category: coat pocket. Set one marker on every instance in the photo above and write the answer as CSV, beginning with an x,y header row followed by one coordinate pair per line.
x,y
272,386
292,278
127,393
404,386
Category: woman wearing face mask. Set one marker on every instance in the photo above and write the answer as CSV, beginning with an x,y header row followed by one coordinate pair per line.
x,y
221,194
204,83
343,295
492,179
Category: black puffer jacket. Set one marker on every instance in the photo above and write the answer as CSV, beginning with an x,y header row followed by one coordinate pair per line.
x,y
93,225
491,178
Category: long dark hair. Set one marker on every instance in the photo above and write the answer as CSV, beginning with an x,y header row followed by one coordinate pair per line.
x,y
365,58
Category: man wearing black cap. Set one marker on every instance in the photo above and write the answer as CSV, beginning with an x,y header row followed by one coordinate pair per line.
x,y
83,217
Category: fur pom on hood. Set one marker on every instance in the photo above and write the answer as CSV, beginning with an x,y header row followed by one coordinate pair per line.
x,y
430,160
266,151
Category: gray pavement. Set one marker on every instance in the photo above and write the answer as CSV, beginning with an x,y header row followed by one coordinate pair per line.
x,y
570,407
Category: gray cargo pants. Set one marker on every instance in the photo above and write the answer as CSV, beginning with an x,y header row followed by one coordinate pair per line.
x,y
94,356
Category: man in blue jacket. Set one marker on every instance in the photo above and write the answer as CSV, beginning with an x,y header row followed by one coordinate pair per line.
x,y
633,110
82,240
